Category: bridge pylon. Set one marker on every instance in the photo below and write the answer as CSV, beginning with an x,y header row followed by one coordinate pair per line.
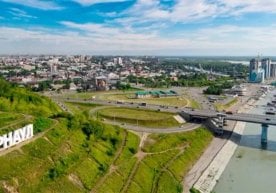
x,y
220,122
264,134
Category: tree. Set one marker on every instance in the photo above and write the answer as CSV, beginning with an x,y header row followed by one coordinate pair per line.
x,y
94,128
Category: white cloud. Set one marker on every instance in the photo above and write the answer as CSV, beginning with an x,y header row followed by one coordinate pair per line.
x,y
39,4
182,11
247,6
91,2
90,27
185,11
18,13
221,40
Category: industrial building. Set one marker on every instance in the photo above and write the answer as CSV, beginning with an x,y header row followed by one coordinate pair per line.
x,y
155,94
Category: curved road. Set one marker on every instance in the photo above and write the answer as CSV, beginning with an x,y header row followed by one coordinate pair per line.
x,y
185,127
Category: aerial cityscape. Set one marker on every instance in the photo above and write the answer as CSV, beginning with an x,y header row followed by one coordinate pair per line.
x,y
137,96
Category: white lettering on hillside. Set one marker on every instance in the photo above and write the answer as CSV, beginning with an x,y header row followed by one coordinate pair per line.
x,y
15,137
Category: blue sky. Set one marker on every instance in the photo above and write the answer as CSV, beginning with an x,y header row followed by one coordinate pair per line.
x,y
138,27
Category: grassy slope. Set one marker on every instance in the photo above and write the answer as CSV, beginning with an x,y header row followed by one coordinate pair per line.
x,y
20,107
145,118
66,151
194,104
167,159
80,107
9,118
69,153
64,160
172,156
221,107
20,100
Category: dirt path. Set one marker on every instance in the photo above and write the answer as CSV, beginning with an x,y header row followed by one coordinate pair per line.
x,y
165,168
112,167
140,156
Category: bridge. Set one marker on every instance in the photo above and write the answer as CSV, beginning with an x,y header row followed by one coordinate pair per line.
x,y
264,120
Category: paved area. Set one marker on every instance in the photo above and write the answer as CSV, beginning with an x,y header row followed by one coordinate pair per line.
x,y
217,144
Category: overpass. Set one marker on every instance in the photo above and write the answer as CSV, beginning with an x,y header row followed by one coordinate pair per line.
x,y
264,120
188,114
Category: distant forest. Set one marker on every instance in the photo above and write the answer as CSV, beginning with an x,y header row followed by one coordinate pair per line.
x,y
231,69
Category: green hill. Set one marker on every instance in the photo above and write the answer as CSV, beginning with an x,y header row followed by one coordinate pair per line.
x,y
76,154
21,100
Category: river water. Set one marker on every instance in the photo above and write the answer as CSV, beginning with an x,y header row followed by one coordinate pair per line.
x,y
252,169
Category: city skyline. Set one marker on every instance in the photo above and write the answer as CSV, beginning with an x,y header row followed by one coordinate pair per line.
x,y
140,27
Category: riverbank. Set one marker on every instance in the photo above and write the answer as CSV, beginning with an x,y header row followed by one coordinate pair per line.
x,y
221,156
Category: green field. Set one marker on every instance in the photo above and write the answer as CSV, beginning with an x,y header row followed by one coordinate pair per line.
x,y
141,117
129,96
168,101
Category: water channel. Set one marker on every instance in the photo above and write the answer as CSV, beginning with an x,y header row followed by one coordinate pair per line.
x,y
252,169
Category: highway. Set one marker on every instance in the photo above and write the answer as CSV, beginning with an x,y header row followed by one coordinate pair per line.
x,y
250,118
172,109
185,127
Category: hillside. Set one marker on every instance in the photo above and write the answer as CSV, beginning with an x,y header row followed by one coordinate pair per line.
x,y
21,100
75,153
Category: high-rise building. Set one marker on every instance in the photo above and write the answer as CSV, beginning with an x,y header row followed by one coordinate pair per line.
x,y
253,66
273,70
53,69
266,65
120,61
115,61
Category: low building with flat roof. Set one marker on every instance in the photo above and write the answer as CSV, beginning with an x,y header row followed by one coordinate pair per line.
x,y
155,94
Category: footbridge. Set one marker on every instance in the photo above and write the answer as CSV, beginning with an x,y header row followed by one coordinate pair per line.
x,y
220,117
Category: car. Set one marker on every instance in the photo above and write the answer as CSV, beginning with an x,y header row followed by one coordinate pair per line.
x,y
267,119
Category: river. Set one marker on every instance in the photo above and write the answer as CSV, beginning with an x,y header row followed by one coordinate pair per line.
x,y
251,169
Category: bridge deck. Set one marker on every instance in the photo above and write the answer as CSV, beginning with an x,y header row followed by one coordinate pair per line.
x,y
244,117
